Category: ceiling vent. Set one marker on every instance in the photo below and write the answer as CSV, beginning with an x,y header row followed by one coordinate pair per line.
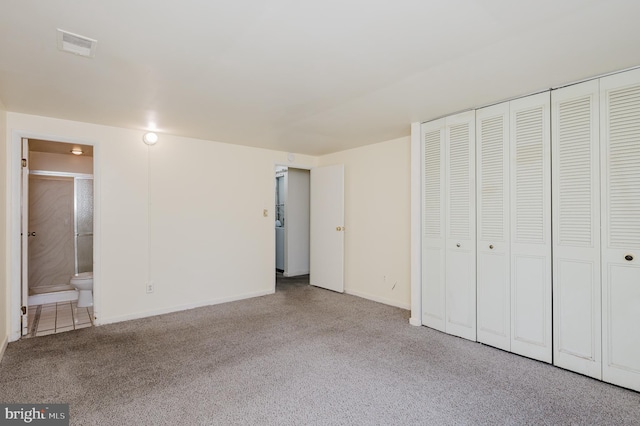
x,y
76,44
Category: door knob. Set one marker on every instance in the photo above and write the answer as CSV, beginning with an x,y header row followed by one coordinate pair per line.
x,y
491,246
628,257
338,228
458,245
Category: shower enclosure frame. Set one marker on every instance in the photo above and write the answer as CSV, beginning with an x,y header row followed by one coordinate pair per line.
x,y
76,231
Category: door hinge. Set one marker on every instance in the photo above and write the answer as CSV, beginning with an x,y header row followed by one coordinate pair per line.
x,y
24,310
24,162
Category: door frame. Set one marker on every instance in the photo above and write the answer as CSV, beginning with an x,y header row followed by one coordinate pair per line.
x,y
273,203
15,194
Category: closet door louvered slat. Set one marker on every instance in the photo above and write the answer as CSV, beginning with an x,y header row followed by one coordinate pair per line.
x,y
433,227
493,253
530,200
576,234
620,162
460,257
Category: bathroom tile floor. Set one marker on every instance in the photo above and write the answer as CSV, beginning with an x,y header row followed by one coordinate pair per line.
x,y
57,318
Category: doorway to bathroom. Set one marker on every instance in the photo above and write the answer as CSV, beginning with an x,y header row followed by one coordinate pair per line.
x,y
57,236
292,215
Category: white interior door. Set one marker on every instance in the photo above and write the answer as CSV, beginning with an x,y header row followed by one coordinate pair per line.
x,y
460,257
576,229
531,226
327,228
433,220
24,230
620,160
494,292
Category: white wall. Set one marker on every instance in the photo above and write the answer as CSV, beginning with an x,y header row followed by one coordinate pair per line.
x,y
60,162
297,223
168,214
4,277
377,220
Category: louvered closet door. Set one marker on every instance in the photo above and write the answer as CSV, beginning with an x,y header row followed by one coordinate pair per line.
x,y
493,280
620,160
576,228
433,224
460,256
531,227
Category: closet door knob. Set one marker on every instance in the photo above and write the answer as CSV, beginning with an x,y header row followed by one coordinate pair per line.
x,y
458,245
628,257
491,246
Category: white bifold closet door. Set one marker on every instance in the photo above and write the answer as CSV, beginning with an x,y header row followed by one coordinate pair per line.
x,y
433,220
514,226
576,228
530,216
493,247
460,257
620,160
449,247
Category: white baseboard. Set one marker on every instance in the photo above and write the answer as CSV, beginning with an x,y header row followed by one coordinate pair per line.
x,y
378,299
168,310
415,321
3,347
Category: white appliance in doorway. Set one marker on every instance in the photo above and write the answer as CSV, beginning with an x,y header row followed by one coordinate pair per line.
x,y
292,221
280,248
281,195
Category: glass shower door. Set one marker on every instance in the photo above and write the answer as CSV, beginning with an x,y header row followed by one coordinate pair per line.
x,y
84,224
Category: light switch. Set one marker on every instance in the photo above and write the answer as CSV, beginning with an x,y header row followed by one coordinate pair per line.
x,y
265,213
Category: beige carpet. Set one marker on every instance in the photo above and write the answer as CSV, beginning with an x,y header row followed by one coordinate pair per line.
x,y
301,356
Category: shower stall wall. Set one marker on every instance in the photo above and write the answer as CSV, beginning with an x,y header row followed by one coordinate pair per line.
x,y
60,233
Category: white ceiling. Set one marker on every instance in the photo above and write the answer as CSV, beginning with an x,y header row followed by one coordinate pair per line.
x,y
309,77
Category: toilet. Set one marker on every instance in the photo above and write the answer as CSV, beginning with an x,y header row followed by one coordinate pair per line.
x,y
83,282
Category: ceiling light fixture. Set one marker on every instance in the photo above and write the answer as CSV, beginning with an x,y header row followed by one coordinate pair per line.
x,y
77,151
150,138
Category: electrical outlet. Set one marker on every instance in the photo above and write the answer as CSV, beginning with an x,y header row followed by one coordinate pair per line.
x,y
150,287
